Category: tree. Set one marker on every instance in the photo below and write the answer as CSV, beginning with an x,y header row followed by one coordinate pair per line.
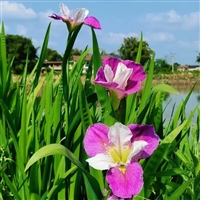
x,y
161,65
75,52
52,55
103,52
18,45
176,65
115,55
198,58
129,49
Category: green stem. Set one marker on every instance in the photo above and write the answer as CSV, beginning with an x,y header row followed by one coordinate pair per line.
x,y
65,83
114,99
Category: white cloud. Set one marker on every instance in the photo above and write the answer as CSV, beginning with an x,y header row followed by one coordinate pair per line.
x,y
16,11
44,16
160,36
21,30
191,20
195,45
173,20
117,38
170,16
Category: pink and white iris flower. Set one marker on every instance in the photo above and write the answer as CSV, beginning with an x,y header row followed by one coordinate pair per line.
x,y
75,17
117,149
121,76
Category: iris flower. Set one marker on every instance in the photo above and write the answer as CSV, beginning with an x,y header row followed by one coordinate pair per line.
x,y
117,149
120,76
75,17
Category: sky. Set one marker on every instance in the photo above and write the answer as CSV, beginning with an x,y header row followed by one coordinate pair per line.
x,y
171,28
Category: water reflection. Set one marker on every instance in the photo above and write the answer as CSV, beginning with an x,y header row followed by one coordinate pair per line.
x,y
175,99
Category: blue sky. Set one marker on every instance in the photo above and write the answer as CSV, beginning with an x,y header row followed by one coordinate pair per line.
x,y
168,26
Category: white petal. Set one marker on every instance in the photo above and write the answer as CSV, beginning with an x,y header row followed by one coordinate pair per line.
x,y
64,11
79,15
108,73
122,75
137,146
120,136
101,162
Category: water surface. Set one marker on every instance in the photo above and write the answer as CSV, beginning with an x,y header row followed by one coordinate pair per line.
x,y
172,99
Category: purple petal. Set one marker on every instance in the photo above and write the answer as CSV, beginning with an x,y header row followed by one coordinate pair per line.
x,y
138,71
100,75
93,22
113,197
128,184
132,87
148,134
107,85
138,75
57,17
96,139
101,80
112,62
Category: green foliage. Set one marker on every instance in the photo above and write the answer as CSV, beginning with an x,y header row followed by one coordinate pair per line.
x,y
129,49
176,65
75,52
198,58
52,55
161,66
18,46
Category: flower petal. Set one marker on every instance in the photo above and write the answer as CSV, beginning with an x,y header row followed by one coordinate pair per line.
x,y
92,22
112,62
78,16
138,71
138,75
57,17
108,73
128,184
64,11
137,146
96,139
145,133
113,197
101,80
120,136
122,75
101,162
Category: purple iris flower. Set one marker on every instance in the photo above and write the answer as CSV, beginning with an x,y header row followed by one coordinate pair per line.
x,y
117,149
121,76
75,17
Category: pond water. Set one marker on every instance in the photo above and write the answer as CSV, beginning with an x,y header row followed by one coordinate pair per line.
x,y
172,99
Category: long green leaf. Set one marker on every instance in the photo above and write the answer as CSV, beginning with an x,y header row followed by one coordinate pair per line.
x,y
164,88
58,149
42,57
148,84
180,190
157,157
3,61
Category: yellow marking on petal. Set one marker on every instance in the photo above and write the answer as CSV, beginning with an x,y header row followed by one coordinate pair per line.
x,y
114,154
119,155
125,154
122,168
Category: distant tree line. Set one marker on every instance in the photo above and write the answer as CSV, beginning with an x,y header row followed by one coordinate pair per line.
x,y
129,49
18,45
